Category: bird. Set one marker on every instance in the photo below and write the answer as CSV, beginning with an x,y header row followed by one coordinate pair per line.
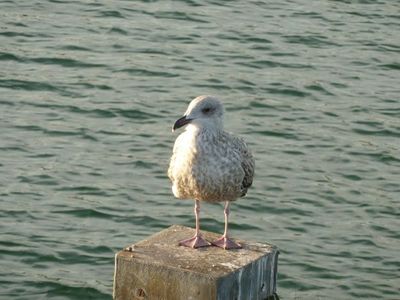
x,y
209,164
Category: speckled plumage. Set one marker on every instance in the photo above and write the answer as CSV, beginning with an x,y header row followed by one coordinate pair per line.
x,y
209,164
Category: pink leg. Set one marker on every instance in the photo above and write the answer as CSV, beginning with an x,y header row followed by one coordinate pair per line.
x,y
224,241
197,240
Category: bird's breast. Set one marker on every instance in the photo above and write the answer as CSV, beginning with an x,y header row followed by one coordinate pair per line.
x,y
206,171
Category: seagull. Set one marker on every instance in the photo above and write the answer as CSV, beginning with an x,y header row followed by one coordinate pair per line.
x,y
209,164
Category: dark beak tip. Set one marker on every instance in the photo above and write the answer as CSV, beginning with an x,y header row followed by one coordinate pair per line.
x,y
180,123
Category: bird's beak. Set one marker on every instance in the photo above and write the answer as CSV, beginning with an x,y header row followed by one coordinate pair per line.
x,y
181,122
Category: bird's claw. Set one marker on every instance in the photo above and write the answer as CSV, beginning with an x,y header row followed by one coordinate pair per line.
x,y
195,242
226,243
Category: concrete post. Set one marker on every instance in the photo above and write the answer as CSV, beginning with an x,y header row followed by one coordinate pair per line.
x,y
157,268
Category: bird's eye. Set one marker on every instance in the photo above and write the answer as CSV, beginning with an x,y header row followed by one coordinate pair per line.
x,y
206,110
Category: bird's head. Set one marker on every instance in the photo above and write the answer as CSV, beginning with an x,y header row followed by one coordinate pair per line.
x,y
203,112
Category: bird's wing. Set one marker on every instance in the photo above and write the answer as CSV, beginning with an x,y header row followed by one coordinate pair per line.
x,y
248,166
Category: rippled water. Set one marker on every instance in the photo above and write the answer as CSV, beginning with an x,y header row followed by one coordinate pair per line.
x,y
89,91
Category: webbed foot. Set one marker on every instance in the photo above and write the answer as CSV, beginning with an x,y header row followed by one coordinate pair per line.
x,y
195,242
226,243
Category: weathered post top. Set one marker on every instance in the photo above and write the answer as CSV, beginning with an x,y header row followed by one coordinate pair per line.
x,y
158,268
